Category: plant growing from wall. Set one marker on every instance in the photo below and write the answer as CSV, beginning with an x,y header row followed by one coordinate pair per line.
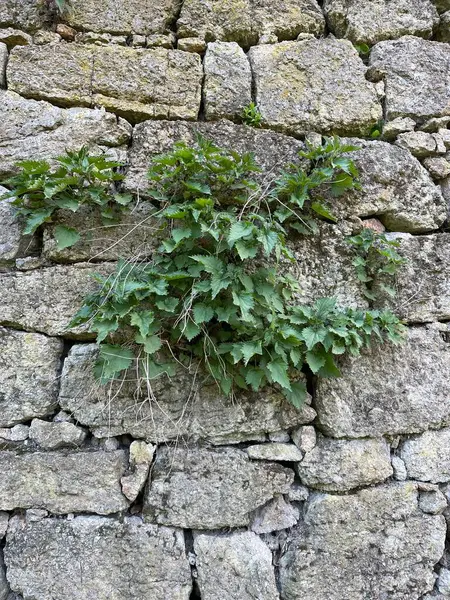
x,y
78,180
214,294
250,115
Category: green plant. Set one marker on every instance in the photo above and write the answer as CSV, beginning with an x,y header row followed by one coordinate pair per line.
x,y
214,295
38,191
376,258
250,115
60,4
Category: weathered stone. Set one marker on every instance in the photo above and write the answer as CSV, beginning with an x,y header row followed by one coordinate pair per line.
x,y
191,44
141,456
298,493
96,557
389,389
443,31
275,516
62,482
29,373
434,124
136,83
445,136
25,14
4,586
427,456
237,565
279,436
67,33
14,37
13,244
433,502
370,22
52,436
443,582
396,126
244,22
180,410
33,129
340,465
3,63
314,85
197,488
438,167
275,451
363,545
4,520
416,74
399,469
19,433
304,438
45,300
419,143
227,87
44,36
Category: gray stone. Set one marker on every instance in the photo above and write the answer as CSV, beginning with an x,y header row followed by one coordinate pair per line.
x,y
427,456
32,515
444,134
4,586
245,21
275,516
227,87
396,126
363,545
135,83
399,468
298,493
52,436
96,557
389,389
3,63
126,17
4,520
237,565
279,436
25,14
191,44
275,451
340,465
434,124
141,456
31,129
432,502
305,438
416,74
29,373
443,582
438,167
419,143
370,22
197,488
181,410
19,433
45,300
13,244
314,85
14,37
62,482
443,32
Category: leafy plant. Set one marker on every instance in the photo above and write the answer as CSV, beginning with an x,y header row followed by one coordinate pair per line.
x,y
38,191
250,115
376,258
60,4
213,294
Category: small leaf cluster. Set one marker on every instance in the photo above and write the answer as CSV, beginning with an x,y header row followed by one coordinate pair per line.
x,y
376,259
79,179
250,115
213,294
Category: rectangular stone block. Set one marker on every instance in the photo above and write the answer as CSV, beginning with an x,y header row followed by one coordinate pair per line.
x,y
25,14
135,83
13,244
63,482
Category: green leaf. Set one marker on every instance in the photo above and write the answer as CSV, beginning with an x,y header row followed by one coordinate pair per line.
x,y
297,395
278,370
254,377
191,330
245,302
144,321
104,327
167,304
323,211
37,218
211,264
202,313
179,234
249,349
151,344
111,361
329,369
315,359
246,250
238,231
269,240
313,335
65,236
123,199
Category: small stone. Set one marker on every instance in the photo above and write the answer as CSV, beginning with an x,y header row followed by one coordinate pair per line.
x,y
433,503
305,438
298,493
305,36
51,436
139,41
434,124
440,145
274,516
399,125
192,44
380,89
374,225
268,38
282,437
89,37
4,519
399,468
444,134
438,167
164,41
63,417
119,40
67,33
427,456
443,582
3,62
141,456
30,263
14,37
419,143
275,451
46,37
110,444
13,243
19,433
33,515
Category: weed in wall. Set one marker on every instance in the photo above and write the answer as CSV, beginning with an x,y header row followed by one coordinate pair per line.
x,y
250,115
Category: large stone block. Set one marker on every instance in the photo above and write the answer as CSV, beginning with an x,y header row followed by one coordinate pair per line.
x,y
427,456
370,22
144,17
416,76
375,543
245,21
181,410
38,130
13,244
63,482
29,376
25,14
95,557
314,85
45,300
134,82
198,488
390,389
340,465
237,565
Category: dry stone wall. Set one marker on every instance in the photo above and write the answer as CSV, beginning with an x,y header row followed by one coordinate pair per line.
x,y
106,493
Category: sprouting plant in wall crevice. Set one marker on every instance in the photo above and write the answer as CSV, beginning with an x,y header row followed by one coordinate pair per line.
x,y
250,115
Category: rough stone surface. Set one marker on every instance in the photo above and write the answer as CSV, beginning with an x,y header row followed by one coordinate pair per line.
x,y
29,371
416,74
314,85
3,62
205,414
370,22
275,451
443,32
396,126
399,468
51,436
62,482
25,14
96,557
136,83
13,244
275,516
236,565
144,17
443,582
305,438
14,37
432,502
374,537
438,167
227,87
46,300
427,456
419,143
245,21
19,433
389,390
30,129
340,465
197,488
141,456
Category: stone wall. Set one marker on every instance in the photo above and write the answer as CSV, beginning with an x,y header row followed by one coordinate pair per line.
x,y
108,495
